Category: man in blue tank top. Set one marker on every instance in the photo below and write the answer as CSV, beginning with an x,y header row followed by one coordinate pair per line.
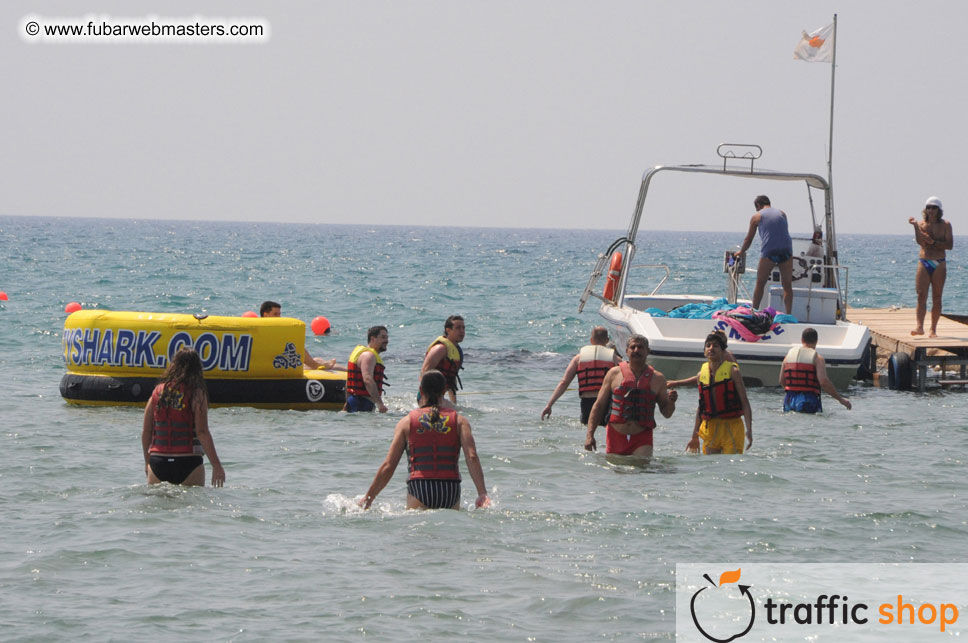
x,y
776,249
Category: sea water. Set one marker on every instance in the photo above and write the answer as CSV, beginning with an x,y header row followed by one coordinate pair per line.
x,y
577,546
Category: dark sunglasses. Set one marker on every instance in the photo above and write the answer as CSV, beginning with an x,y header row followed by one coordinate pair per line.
x,y
930,207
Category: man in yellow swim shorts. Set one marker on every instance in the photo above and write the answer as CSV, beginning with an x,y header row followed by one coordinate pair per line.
x,y
722,402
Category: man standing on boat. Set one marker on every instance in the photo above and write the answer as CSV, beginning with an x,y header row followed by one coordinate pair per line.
x,y
635,389
803,374
591,364
365,377
776,249
445,355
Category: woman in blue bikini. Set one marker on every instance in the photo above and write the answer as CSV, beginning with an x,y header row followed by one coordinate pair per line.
x,y
934,236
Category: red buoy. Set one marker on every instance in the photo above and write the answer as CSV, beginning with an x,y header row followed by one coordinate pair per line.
x,y
320,325
249,313
72,307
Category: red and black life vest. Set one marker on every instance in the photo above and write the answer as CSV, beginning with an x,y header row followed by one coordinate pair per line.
x,y
354,376
633,400
593,363
451,363
173,421
719,398
434,445
799,371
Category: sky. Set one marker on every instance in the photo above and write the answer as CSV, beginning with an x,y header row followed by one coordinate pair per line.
x,y
535,114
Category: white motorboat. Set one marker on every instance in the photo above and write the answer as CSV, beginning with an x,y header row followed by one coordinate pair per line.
x,y
676,343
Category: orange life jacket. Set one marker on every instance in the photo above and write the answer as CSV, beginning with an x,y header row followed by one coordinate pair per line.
x,y
451,363
354,376
799,371
173,421
593,363
719,398
434,446
633,400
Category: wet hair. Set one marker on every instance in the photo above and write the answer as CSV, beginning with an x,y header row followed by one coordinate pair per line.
x,y
432,385
600,334
809,335
374,331
638,339
761,200
718,337
267,306
450,321
185,368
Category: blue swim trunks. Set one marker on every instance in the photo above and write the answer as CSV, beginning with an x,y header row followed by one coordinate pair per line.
x,y
931,264
779,257
802,402
356,403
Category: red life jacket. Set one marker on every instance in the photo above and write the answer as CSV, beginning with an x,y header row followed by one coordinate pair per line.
x,y
173,421
354,376
718,399
434,446
799,371
633,400
593,363
451,363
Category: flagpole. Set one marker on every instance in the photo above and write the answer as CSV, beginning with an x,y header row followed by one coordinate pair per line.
x,y
842,308
830,148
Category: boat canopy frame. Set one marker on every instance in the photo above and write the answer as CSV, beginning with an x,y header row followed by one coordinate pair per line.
x,y
812,181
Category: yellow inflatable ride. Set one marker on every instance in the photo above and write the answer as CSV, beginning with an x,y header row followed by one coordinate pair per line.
x,y
116,358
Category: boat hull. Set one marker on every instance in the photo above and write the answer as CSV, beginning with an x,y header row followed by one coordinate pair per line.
x,y
117,358
676,345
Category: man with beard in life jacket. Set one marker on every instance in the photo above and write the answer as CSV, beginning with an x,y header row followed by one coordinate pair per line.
x,y
722,402
365,376
445,355
591,364
635,389
803,374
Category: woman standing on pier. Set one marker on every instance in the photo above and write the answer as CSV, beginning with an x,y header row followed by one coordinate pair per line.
x,y
934,236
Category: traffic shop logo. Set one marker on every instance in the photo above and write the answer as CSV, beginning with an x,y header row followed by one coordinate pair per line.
x,y
713,618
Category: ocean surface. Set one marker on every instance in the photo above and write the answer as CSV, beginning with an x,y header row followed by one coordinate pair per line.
x,y
575,548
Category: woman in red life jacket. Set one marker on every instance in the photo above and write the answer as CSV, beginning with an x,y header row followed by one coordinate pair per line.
x,y
175,426
433,437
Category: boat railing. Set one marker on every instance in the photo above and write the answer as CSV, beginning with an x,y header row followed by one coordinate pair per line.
x,y
598,271
656,266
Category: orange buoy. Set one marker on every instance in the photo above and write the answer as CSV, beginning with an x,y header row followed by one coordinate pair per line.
x,y
249,313
320,325
72,307
3,296
614,271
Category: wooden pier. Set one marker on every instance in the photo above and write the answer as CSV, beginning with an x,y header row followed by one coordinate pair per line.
x,y
891,333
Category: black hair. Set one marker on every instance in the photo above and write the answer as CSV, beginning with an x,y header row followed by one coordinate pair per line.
x,y
267,306
450,321
809,335
761,200
717,336
374,331
432,385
